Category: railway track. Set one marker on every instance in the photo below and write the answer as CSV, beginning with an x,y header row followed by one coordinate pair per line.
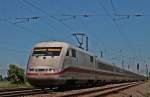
x,y
90,92
19,92
95,92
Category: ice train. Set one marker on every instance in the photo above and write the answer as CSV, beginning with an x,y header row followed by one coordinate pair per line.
x,y
58,63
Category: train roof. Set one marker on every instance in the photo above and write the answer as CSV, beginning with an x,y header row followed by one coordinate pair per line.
x,y
66,44
60,44
51,44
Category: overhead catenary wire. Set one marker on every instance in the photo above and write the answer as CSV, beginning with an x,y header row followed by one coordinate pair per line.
x,y
22,27
75,16
112,17
122,16
46,13
106,11
52,26
50,16
26,19
42,18
23,5
113,7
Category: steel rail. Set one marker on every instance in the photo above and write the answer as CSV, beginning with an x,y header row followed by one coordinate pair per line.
x,y
19,92
97,91
12,89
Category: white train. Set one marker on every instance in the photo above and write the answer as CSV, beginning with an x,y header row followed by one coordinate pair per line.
x,y
59,63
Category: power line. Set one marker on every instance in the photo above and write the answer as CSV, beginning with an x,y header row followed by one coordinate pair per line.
x,y
30,10
75,16
101,4
47,14
113,7
126,16
116,25
26,19
123,16
44,12
21,27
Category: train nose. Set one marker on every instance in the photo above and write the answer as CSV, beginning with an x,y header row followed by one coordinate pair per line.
x,y
54,70
44,77
46,82
44,72
41,69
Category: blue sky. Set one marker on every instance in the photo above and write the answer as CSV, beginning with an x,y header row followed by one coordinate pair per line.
x,y
116,36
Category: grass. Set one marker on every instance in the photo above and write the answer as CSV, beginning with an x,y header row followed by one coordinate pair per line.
x,y
7,84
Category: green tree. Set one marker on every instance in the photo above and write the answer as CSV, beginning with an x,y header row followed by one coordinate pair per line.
x,y
15,74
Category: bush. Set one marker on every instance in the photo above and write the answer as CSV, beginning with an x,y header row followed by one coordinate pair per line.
x,y
15,74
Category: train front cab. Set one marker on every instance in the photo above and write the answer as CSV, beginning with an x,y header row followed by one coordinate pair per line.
x,y
44,66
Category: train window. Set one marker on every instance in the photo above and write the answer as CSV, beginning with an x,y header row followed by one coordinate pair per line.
x,y
67,54
47,51
56,53
32,69
91,59
73,53
41,70
105,66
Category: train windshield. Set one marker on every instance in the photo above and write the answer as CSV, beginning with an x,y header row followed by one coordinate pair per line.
x,y
47,51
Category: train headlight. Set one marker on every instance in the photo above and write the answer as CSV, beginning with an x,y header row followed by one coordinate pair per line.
x,y
58,70
52,70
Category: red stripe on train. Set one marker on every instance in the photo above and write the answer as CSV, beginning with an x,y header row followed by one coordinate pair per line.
x,y
69,69
72,69
32,73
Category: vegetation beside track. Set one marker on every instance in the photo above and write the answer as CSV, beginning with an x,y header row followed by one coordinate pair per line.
x,y
8,84
16,75
15,78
